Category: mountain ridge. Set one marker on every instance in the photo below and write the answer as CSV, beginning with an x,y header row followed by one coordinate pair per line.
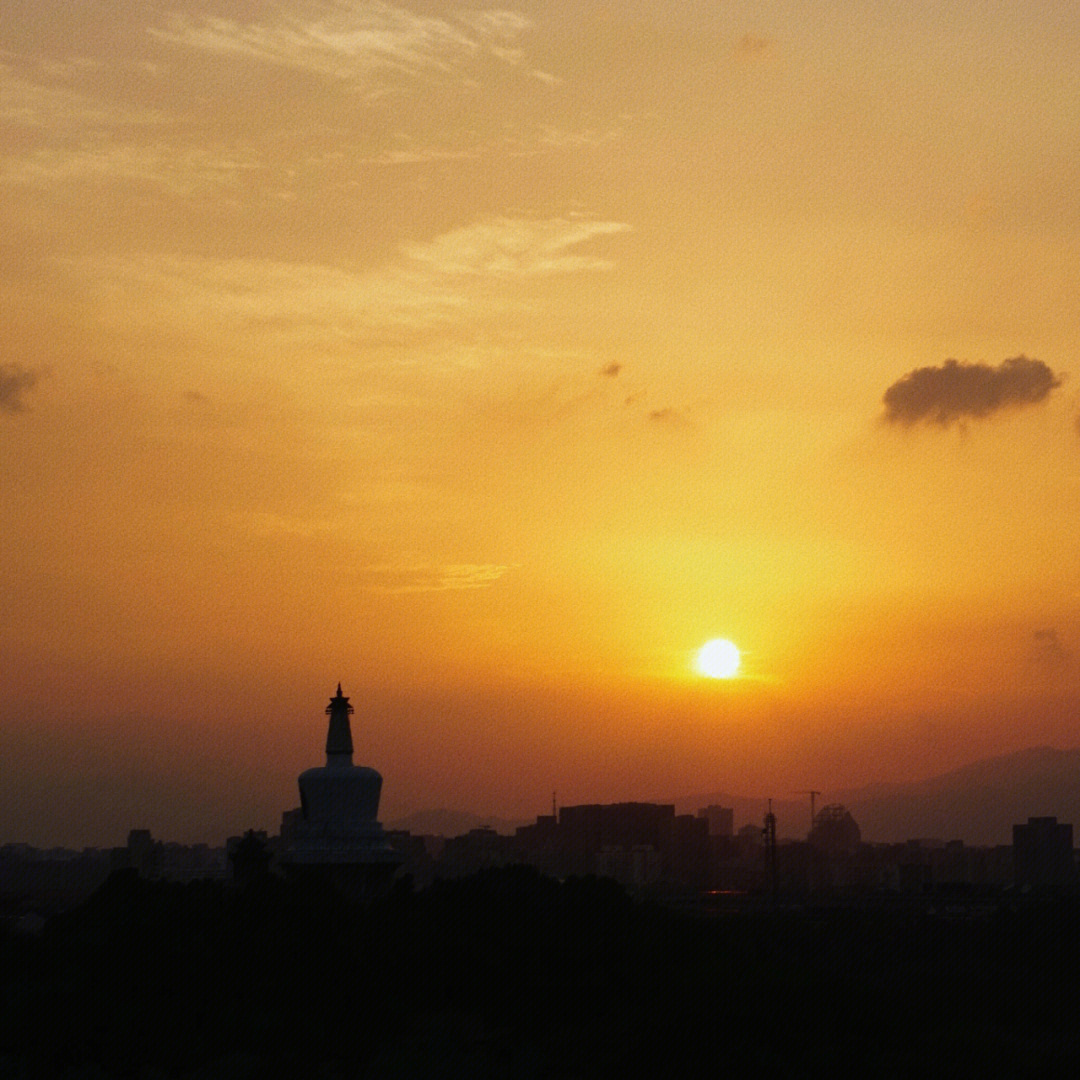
x,y
977,803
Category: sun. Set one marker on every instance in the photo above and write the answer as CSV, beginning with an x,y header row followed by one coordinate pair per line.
x,y
719,659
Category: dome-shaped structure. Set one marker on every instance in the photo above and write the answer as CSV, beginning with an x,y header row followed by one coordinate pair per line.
x,y
835,832
337,835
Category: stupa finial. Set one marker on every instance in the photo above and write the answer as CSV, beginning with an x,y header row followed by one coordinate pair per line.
x,y
339,744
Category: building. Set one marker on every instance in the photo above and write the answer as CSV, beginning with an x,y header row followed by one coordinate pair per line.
x,y
335,839
1043,854
721,820
636,843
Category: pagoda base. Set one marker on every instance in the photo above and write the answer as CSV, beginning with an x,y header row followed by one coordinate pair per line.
x,y
367,880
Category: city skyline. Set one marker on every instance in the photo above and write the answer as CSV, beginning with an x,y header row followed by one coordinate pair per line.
x,y
490,361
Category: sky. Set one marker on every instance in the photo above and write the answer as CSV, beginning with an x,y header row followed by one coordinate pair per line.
x,y
491,360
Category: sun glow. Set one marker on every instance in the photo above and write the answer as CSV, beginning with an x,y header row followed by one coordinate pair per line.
x,y
719,659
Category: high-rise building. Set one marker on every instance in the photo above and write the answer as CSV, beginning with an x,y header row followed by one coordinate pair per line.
x,y
1043,854
721,820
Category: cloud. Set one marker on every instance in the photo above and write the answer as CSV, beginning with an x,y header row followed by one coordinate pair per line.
x,y
399,579
1047,649
667,415
356,41
67,137
753,47
425,286
514,247
179,170
957,391
15,381
30,104
1049,660
289,300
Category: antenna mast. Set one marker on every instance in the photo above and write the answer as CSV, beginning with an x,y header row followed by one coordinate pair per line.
x,y
770,849
813,795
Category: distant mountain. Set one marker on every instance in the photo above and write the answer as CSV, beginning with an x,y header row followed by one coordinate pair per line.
x,y
978,803
452,823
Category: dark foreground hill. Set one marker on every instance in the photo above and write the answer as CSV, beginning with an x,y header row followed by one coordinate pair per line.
x,y
509,974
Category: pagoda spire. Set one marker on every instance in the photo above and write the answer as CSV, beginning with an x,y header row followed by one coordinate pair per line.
x,y
339,744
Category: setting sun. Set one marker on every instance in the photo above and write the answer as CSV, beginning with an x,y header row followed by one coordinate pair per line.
x,y
719,659
549,342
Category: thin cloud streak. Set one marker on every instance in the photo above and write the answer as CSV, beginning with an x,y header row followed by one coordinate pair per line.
x,y
177,169
510,247
397,580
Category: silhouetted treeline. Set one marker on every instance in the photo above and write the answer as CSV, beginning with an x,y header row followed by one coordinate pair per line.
x,y
511,974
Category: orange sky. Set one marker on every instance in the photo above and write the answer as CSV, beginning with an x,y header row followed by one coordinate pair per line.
x,y
492,360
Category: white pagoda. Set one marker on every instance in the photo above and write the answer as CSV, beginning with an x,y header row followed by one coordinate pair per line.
x,y
335,837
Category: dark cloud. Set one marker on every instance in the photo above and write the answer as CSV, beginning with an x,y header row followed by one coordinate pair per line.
x,y
753,47
1049,656
957,391
15,381
665,416
1047,647
611,370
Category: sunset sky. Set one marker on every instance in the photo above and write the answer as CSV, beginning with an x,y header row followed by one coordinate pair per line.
x,y
491,360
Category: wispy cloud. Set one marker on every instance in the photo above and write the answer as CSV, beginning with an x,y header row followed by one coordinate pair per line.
x,y
67,136
418,154
398,579
958,391
276,525
38,104
354,41
178,169
511,247
545,77
423,286
305,300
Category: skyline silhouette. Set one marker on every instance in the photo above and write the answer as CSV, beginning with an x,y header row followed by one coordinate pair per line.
x,y
494,361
